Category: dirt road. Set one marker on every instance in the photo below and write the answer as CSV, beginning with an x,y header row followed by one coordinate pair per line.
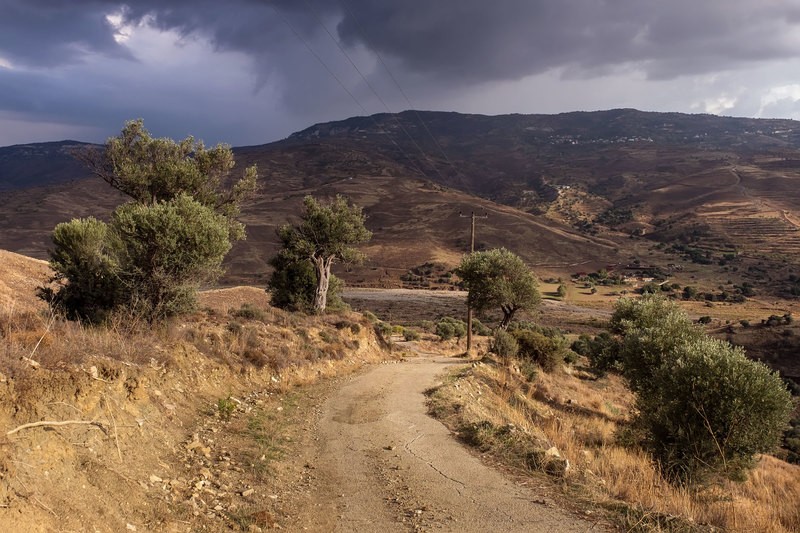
x,y
381,464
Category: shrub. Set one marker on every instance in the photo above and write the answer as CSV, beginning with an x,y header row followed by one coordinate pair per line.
x,y
384,329
713,410
428,325
504,345
167,250
478,328
545,351
704,319
704,406
410,335
561,291
449,327
86,258
603,351
226,407
249,312
149,258
651,329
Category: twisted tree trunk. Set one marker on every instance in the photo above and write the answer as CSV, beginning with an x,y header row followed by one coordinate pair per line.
x,y
322,266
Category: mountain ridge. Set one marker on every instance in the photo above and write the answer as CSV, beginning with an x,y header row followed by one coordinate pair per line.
x,y
597,188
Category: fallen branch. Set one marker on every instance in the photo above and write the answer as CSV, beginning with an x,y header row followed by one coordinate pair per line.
x,y
54,423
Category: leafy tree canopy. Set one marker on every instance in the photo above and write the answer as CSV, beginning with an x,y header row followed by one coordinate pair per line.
x,y
326,233
704,407
155,252
499,279
151,170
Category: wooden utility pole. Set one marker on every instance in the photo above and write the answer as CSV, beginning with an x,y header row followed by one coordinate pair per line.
x,y
472,218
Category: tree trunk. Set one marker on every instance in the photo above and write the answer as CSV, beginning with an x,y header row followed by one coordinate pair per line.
x,y
508,316
322,266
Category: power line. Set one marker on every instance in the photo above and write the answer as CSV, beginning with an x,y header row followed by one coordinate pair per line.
x,y
371,88
343,86
374,50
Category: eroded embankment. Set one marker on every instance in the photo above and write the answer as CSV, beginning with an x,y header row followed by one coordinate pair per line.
x,y
175,429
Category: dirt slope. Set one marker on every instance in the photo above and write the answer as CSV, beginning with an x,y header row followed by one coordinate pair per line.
x,y
19,278
380,463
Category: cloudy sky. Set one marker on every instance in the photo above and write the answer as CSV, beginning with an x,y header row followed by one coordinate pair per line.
x,y
254,71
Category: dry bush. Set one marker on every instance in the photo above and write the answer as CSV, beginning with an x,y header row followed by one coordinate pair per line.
x,y
585,420
54,342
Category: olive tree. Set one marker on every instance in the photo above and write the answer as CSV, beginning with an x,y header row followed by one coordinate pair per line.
x,y
159,247
151,170
167,250
326,233
86,256
704,407
499,279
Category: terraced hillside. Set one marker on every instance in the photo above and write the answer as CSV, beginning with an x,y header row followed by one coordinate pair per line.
x,y
569,192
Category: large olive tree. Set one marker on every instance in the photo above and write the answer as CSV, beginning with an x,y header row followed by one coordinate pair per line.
x,y
326,233
161,246
499,279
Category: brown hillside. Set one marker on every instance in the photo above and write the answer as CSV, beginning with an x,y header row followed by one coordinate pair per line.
x,y
19,278
566,191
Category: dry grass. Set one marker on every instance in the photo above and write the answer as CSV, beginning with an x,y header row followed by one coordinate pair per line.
x,y
252,340
499,410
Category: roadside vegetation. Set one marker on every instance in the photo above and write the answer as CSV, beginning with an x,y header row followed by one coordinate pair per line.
x,y
662,426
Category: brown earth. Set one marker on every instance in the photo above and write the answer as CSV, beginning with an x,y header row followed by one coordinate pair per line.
x,y
20,276
379,463
180,430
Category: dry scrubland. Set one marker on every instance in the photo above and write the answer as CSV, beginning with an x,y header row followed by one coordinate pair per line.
x,y
187,426
496,408
174,428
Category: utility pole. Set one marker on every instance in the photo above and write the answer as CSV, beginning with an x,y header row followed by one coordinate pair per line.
x,y
472,218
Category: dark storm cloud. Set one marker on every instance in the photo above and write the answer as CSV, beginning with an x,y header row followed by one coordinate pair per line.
x,y
472,40
438,49
509,39
49,33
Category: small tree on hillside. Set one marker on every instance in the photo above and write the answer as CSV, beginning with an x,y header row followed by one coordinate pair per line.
x,y
499,279
326,233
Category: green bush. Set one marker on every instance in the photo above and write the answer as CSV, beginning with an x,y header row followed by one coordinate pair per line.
x,y
167,250
705,407
410,335
428,325
603,351
384,329
449,327
249,312
504,344
547,352
651,329
149,258
478,328
86,258
713,410
570,357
